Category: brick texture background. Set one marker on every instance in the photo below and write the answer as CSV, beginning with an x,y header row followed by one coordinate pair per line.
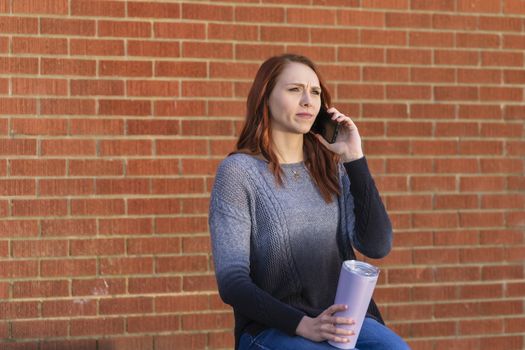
x,y
115,114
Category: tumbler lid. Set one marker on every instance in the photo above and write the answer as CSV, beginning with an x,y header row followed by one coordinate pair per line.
x,y
361,268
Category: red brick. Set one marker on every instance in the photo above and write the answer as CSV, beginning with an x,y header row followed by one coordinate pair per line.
x,y
153,49
39,248
196,244
96,47
500,23
95,167
187,263
125,68
410,202
221,340
97,326
456,57
97,247
409,166
105,87
19,147
180,69
126,226
153,323
181,225
458,274
80,344
383,37
481,219
408,20
119,306
232,32
56,7
208,50
19,25
154,245
442,5
154,10
106,207
66,187
455,93
73,227
431,111
33,126
96,287
513,41
308,16
43,46
98,8
477,40
206,127
434,147
18,228
67,106
478,6
125,147
199,283
259,51
69,308
480,291
431,39
457,129
501,165
479,112
18,268
360,18
207,321
154,206
477,255
501,94
259,14
155,127
168,30
122,186
502,272
153,167
14,310
207,12
182,303
19,65
67,26
29,86
97,127
432,183
154,285
183,341
64,267
68,147
199,166
40,329
280,34
126,266
127,342
132,29
481,147
124,107
40,289
63,66
17,106
442,220
502,59
39,207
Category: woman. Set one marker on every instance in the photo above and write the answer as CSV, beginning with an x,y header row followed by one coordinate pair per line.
x,y
286,209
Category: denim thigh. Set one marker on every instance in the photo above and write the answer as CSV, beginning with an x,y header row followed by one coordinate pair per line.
x,y
373,336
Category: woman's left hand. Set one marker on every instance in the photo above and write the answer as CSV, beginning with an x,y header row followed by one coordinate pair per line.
x,y
348,141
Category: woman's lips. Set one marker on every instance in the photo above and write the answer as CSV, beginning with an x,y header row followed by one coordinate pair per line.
x,y
304,115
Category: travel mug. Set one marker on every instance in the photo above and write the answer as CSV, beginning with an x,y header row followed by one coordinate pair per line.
x,y
357,281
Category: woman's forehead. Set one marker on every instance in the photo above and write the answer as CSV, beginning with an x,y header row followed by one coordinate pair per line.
x,y
298,73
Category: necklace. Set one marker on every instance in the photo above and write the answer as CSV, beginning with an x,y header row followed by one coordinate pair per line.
x,y
296,175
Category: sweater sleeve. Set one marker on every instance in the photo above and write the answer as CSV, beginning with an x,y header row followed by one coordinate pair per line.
x,y
372,234
230,228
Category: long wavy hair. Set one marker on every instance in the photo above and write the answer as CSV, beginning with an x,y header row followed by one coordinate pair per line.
x,y
255,137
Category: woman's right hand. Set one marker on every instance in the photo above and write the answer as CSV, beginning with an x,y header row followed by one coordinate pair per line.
x,y
324,327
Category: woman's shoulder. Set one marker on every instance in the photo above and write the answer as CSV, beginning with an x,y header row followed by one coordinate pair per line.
x,y
238,162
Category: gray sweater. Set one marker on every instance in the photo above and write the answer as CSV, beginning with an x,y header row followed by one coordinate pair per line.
x,y
278,249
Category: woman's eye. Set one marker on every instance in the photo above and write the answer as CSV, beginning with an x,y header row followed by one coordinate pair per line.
x,y
316,92
294,89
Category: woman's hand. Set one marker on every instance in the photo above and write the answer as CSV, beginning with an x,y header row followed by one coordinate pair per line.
x,y
324,327
348,142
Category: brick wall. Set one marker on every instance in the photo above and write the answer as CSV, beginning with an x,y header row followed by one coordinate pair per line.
x,y
115,114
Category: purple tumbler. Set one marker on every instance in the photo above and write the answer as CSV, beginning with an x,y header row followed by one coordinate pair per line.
x,y
357,281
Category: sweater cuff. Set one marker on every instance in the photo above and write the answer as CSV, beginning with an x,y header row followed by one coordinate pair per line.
x,y
293,322
357,166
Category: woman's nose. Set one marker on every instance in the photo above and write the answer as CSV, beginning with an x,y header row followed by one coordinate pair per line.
x,y
306,99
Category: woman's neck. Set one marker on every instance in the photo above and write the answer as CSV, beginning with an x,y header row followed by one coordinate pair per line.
x,y
288,147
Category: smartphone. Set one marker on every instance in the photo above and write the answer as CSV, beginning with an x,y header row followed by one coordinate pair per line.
x,y
325,126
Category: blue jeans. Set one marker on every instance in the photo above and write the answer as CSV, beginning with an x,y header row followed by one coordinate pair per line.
x,y
373,336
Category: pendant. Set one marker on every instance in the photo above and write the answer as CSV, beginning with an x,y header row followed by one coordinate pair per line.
x,y
296,175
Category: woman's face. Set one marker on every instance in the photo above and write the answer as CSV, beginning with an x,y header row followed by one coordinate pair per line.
x,y
295,100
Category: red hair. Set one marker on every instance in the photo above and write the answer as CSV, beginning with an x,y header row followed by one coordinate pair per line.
x,y
255,137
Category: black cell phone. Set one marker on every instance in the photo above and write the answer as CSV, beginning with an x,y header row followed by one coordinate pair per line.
x,y
325,126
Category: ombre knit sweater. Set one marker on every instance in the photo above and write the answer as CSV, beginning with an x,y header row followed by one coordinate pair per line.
x,y
278,250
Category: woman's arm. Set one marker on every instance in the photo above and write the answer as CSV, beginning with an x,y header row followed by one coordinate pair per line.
x,y
372,234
